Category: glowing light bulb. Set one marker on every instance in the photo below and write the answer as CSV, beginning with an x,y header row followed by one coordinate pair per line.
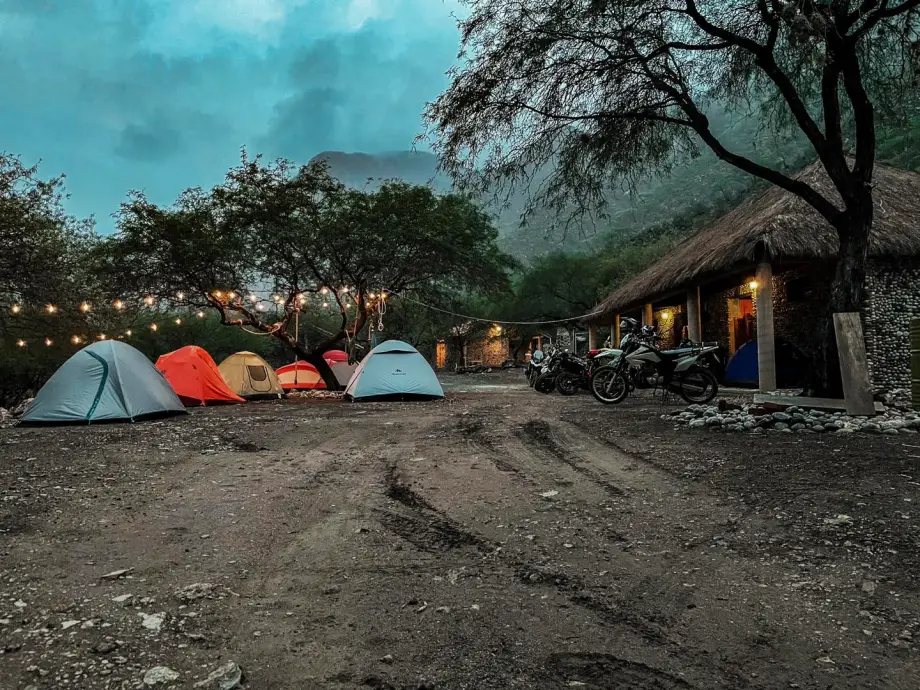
x,y
231,295
50,308
753,285
277,299
102,336
47,342
128,332
218,294
20,343
85,307
325,291
148,300
153,327
260,307
371,295
253,299
75,340
665,315
178,322
118,304
16,308
180,295
200,315
326,304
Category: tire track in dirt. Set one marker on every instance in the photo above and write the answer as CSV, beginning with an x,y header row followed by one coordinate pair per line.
x,y
430,530
608,672
538,436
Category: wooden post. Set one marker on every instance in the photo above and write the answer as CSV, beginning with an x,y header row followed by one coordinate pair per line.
x,y
616,331
648,318
592,337
766,346
854,365
693,316
613,336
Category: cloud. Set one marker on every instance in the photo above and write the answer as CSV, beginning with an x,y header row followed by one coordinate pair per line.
x,y
160,94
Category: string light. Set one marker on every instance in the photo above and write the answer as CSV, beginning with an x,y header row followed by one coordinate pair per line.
x,y
50,308
277,299
75,340
231,295
200,315
371,295
260,307
20,343
178,322
148,300
85,307
16,308
253,299
48,342
325,291
218,294
153,327
118,304
326,304
102,336
128,332
180,295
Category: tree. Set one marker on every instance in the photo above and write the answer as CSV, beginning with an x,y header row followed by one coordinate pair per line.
x,y
616,89
298,233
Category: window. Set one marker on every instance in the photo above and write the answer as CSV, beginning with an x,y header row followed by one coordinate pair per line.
x,y
257,373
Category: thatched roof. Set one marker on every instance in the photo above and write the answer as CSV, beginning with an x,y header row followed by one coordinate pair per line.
x,y
788,230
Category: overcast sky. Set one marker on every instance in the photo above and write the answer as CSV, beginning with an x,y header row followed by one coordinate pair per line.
x,y
160,94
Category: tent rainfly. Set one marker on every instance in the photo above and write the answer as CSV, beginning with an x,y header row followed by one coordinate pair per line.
x,y
106,381
394,370
194,376
299,376
250,377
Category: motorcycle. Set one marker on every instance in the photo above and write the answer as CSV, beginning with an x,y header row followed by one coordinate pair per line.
x,y
546,378
533,368
576,372
643,365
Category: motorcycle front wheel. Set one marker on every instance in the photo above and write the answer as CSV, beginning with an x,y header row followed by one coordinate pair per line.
x,y
545,383
698,386
567,384
608,386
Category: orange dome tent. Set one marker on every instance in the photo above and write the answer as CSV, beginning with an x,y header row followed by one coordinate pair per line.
x,y
194,376
300,376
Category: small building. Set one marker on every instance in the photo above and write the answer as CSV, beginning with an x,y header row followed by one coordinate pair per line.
x,y
762,273
469,347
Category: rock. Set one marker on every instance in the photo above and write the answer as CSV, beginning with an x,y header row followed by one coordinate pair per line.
x,y
387,659
550,493
798,426
160,675
225,677
152,621
115,574
759,430
781,417
781,426
69,624
193,592
697,423
332,589
868,586
890,432
21,408
837,520
122,598
105,648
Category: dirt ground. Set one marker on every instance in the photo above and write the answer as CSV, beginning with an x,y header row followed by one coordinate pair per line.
x,y
497,539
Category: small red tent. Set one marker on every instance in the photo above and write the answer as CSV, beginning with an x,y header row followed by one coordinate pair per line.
x,y
332,356
194,376
299,376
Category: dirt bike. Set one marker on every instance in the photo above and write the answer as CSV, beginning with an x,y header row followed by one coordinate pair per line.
x,y
576,372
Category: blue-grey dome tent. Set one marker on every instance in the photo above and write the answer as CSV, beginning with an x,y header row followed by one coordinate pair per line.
x,y
104,382
394,370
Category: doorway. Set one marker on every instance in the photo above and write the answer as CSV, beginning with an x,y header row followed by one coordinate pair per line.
x,y
742,323
441,355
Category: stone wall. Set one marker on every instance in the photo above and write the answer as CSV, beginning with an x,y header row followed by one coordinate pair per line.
x,y
714,317
489,350
799,298
892,300
668,328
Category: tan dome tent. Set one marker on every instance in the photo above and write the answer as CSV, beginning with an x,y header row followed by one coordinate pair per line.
x,y
250,376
